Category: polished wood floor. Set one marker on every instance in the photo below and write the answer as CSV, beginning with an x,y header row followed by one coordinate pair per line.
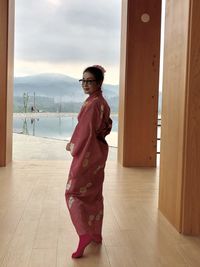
x,y
36,231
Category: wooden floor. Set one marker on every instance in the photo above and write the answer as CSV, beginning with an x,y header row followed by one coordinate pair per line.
x,y
35,228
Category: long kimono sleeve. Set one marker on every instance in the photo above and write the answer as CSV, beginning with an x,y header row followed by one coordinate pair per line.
x,y
86,129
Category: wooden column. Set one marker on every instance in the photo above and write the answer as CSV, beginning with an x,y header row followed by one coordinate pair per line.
x,y
6,79
179,196
139,79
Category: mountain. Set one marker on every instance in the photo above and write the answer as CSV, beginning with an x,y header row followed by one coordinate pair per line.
x,y
57,86
59,92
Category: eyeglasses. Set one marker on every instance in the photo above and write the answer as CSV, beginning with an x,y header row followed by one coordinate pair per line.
x,y
89,82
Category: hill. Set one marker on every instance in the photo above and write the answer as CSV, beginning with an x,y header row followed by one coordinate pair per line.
x,y
58,92
56,86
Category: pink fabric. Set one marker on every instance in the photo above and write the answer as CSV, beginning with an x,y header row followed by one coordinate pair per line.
x,y
89,150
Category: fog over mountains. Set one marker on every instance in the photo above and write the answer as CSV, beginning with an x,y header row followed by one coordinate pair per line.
x,y
51,88
56,86
58,92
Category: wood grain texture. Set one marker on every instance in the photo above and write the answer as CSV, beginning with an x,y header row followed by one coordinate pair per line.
x,y
36,230
122,81
191,171
3,75
6,79
173,110
10,79
180,144
139,73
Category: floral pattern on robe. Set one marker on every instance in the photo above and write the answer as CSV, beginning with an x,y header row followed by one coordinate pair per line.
x,y
89,150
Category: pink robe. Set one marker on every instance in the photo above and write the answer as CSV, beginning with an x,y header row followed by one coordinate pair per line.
x,y
89,150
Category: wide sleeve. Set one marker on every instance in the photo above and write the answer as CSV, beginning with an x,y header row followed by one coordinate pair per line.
x,y
86,129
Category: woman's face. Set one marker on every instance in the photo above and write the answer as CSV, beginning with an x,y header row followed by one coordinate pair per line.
x,y
89,83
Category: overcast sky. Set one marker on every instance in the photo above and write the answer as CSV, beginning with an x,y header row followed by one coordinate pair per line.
x,y
65,36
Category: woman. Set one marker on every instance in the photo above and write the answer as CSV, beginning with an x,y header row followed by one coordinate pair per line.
x,y
89,150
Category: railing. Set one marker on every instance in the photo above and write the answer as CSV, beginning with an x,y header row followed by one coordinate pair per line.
x,y
158,130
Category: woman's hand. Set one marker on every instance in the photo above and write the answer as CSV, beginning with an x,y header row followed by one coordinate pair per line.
x,y
68,147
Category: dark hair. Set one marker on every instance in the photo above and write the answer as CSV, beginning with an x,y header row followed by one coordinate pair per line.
x,y
97,72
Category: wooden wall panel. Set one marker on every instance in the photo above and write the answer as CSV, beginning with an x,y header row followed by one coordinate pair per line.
x,y
179,195
191,171
122,81
3,82
174,86
6,79
139,73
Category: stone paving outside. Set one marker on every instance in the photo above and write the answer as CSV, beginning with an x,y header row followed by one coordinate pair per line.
x,y
26,147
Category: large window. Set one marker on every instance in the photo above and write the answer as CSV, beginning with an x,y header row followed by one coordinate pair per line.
x,y
54,41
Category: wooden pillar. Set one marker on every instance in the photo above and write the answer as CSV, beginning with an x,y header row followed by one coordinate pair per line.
x,y
179,195
6,79
139,80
